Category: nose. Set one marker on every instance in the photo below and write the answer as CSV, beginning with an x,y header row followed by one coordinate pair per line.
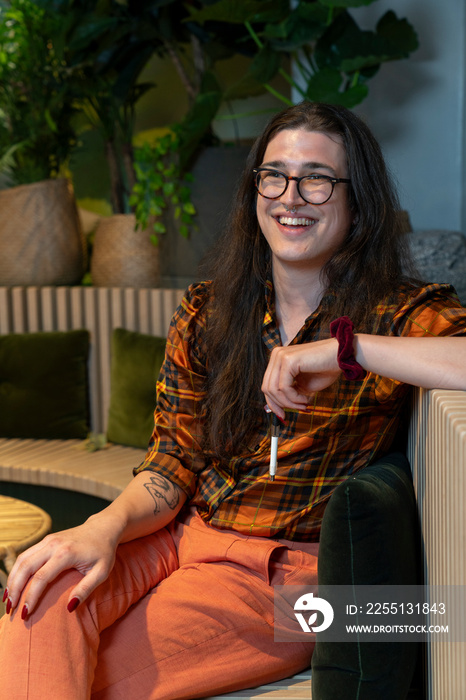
x,y
291,196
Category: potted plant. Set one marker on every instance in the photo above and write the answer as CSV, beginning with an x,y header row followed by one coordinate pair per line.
x,y
39,227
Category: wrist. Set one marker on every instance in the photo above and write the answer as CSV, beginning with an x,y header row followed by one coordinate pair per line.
x,y
342,330
109,521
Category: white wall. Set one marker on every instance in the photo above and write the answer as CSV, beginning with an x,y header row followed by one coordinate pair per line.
x,y
416,108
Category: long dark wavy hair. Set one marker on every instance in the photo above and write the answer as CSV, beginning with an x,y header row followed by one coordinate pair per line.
x,y
368,264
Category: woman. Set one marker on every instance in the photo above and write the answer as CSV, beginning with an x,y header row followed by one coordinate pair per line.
x,y
170,588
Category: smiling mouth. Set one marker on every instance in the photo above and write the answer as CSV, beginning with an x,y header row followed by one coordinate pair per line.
x,y
295,221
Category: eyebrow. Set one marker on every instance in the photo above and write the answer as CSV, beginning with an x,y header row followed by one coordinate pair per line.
x,y
312,165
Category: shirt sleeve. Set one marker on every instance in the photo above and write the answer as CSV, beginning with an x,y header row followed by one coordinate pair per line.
x,y
175,447
433,310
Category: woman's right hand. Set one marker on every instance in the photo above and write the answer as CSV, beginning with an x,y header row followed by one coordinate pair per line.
x,y
89,548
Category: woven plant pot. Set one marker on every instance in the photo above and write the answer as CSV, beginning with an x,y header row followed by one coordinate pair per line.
x,y
123,257
41,242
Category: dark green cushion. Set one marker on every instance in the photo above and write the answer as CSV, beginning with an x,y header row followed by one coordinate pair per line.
x,y
369,536
135,366
43,385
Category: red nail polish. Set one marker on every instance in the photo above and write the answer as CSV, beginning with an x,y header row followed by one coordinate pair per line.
x,y
5,595
73,604
8,606
24,612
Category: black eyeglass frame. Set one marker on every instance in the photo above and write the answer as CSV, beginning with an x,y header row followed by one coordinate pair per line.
x,y
333,180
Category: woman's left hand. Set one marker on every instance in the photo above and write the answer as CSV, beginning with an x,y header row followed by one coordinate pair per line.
x,y
295,372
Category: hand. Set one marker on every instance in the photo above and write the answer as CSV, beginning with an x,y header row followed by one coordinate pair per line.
x,y
295,372
89,548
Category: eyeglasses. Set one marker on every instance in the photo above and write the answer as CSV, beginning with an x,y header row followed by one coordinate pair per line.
x,y
314,189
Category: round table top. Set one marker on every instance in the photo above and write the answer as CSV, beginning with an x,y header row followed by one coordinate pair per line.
x,y
22,524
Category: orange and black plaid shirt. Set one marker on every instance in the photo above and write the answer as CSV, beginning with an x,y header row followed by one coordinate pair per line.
x,y
350,424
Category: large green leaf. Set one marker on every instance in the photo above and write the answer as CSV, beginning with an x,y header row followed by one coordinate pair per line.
x,y
306,23
244,88
352,96
340,41
262,70
240,12
323,84
198,120
91,29
218,50
265,65
399,32
394,39
326,85
346,47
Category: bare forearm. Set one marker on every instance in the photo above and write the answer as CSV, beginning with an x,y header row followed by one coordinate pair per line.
x,y
433,363
148,503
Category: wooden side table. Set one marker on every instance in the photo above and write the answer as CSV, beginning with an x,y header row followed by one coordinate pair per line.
x,y
22,524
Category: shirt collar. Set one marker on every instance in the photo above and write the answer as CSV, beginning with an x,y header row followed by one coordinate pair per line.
x,y
270,331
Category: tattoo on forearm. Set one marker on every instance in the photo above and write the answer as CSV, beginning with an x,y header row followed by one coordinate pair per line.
x,y
162,489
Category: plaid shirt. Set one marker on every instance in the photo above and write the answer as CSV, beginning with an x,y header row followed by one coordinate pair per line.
x,y
351,423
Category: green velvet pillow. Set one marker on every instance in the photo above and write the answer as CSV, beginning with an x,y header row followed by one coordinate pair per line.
x,y
43,385
135,366
369,536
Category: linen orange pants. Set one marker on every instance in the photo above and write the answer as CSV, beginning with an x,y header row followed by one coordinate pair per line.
x,y
186,613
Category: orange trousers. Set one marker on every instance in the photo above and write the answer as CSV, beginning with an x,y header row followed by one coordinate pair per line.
x,y
186,613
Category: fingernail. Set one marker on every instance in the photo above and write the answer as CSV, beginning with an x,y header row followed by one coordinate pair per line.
x,y
8,606
267,409
73,604
5,595
282,421
24,612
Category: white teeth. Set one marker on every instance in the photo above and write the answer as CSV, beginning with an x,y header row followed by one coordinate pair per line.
x,y
288,221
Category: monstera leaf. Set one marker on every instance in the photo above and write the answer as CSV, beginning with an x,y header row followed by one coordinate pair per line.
x,y
348,48
304,24
262,69
326,86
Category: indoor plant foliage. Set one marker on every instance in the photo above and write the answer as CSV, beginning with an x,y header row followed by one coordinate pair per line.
x,y
37,90
333,57
111,42
160,183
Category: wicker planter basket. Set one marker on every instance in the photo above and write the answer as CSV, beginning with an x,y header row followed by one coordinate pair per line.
x,y
123,257
41,242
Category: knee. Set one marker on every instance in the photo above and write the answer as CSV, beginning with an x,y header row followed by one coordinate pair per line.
x,y
56,592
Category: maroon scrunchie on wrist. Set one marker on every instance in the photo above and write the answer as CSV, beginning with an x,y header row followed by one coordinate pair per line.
x,y
342,330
